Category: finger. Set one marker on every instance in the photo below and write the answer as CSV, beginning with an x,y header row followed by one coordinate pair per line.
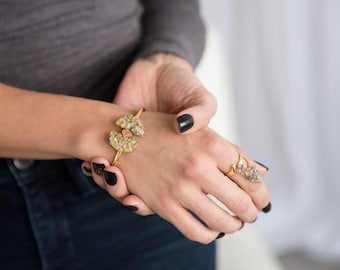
x,y
262,169
112,179
115,182
211,180
86,168
197,114
255,188
137,205
116,186
187,224
98,166
234,198
211,214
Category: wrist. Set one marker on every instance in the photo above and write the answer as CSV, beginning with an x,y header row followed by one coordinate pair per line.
x,y
92,134
164,59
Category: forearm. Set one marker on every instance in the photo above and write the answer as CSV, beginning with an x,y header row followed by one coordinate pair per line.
x,y
48,126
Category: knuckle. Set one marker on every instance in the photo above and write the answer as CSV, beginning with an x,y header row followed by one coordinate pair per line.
x,y
180,190
242,204
213,144
220,221
193,166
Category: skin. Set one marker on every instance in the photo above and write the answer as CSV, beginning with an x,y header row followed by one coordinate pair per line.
x,y
166,83
66,126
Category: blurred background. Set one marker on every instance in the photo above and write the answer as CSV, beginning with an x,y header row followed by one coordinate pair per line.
x,y
274,66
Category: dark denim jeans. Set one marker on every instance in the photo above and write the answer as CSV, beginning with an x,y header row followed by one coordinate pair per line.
x,y
54,217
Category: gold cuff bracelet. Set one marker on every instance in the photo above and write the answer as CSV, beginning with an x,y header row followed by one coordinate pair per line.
x,y
123,142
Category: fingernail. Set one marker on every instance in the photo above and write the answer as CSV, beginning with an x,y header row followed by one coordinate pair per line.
x,y
131,208
267,208
98,168
110,178
242,225
254,220
220,235
87,170
264,166
185,122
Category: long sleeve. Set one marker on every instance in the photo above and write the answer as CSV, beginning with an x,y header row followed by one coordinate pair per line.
x,y
173,27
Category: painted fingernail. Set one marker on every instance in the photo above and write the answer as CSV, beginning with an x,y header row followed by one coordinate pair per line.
x,y
253,220
261,164
131,208
110,178
220,235
87,170
267,208
98,168
185,122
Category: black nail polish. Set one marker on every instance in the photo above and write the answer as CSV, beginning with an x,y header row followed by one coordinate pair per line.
x,y
110,178
261,164
253,220
185,122
87,170
131,208
220,235
98,168
267,208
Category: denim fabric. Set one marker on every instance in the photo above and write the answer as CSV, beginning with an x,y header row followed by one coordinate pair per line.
x,y
54,217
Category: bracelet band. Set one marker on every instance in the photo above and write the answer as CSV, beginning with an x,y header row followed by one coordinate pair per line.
x,y
123,142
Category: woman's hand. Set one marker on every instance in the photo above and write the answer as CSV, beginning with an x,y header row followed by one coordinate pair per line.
x,y
163,83
174,174
112,179
166,83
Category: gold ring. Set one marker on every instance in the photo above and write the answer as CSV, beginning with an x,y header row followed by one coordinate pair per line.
x,y
244,168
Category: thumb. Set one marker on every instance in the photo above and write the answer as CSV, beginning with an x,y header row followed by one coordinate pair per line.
x,y
196,116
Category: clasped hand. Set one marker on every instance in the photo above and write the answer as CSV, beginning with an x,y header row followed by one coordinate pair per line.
x,y
176,176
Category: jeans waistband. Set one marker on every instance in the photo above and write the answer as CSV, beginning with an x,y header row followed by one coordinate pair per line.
x,y
3,161
84,184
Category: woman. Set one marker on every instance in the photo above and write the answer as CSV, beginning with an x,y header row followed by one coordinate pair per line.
x,y
62,64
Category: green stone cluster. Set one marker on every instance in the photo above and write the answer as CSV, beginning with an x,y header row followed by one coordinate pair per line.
x,y
131,123
121,143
